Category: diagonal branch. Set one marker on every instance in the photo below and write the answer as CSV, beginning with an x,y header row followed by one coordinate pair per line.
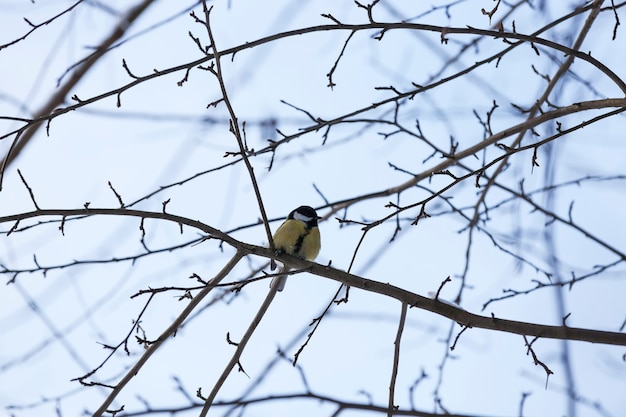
x,y
58,98
234,124
240,348
540,101
167,333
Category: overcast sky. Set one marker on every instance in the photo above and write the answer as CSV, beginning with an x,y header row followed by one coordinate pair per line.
x,y
54,325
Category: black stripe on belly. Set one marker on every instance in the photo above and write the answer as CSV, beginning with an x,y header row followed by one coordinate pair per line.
x,y
298,245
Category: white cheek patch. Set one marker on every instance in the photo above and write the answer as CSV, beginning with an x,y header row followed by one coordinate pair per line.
x,y
302,217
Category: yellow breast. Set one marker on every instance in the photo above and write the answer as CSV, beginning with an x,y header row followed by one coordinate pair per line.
x,y
294,238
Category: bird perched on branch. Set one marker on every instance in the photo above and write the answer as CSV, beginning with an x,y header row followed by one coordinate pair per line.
x,y
298,236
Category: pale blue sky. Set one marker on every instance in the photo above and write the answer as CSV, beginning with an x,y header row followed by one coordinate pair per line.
x,y
158,137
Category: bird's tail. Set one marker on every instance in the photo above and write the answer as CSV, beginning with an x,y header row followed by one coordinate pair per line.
x,y
280,280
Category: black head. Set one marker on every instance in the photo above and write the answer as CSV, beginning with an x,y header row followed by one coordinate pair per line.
x,y
306,214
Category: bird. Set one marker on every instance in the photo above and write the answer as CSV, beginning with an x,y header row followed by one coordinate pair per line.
x,y
298,236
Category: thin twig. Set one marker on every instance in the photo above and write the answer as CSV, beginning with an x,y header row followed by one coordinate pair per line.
x,y
30,190
396,360
235,125
118,196
317,321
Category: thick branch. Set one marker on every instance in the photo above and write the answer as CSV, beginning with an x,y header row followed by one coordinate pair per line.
x,y
414,300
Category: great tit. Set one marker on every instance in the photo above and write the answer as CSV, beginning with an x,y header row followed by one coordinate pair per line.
x,y
297,236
